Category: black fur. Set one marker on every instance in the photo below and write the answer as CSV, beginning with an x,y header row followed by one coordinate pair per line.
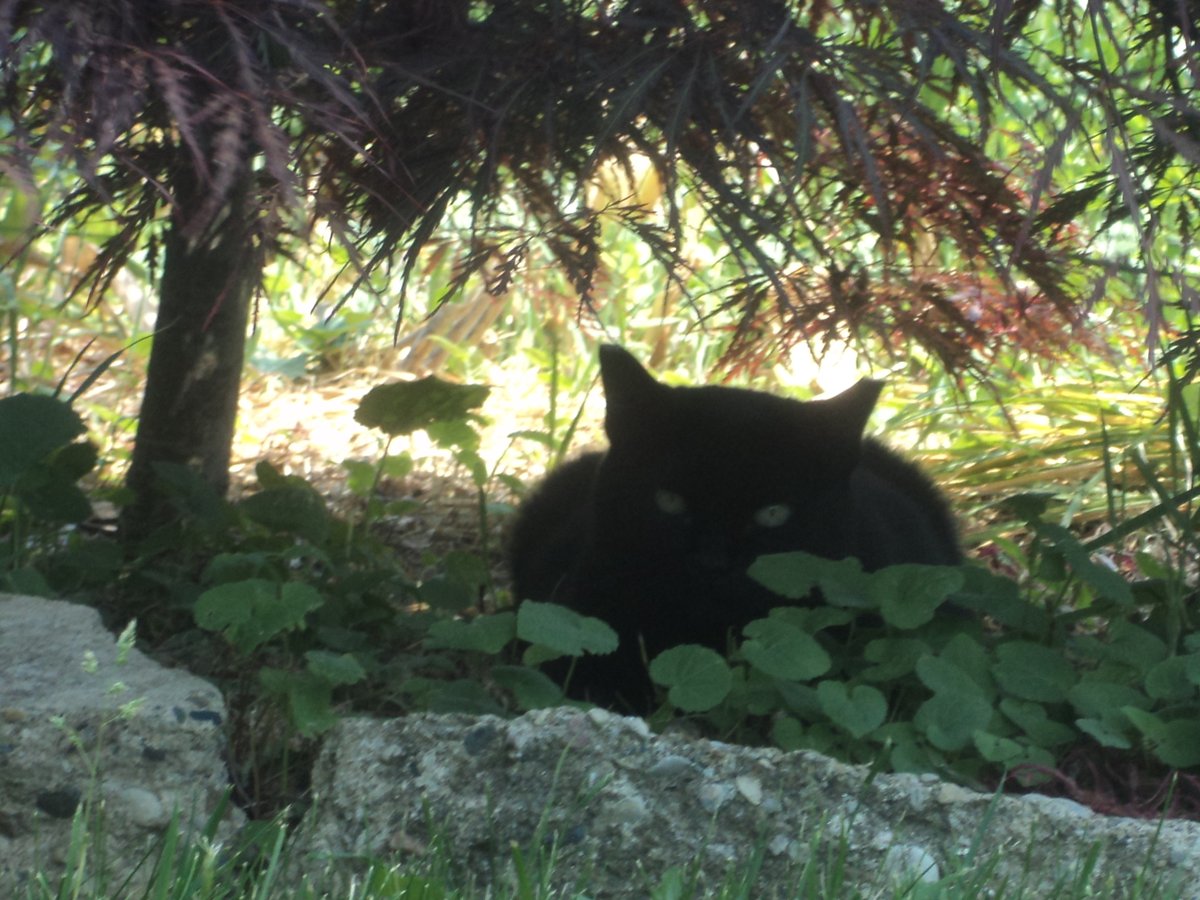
x,y
655,535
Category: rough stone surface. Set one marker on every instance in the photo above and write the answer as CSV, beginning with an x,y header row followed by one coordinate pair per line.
x,y
62,739
620,807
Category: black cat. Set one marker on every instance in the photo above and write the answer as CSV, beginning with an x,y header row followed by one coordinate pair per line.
x,y
655,535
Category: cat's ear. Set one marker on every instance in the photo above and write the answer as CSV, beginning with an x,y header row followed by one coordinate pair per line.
x,y
847,413
629,392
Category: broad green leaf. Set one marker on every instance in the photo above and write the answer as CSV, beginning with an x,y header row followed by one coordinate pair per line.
x,y
335,668
910,756
446,593
486,634
1151,726
1010,753
1000,598
33,426
858,710
697,678
54,500
787,733
466,568
1106,733
793,575
407,406
790,575
949,719
225,567
396,465
811,619
360,476
1033,672
1168,680
969,655
1179,744
532,689
941,675
310,699
74,461
1135,646
1099,699
783,651
253,611
563,630
893,658
1031,718
908,595
1000,750
292,509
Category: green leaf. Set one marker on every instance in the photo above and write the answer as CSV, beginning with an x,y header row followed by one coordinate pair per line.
x,y
783,651
1134,646
969,655
858,710
697,678
407,406
466,568
941,675
309,699
787,733
1106,733
335,668
531,688
563,630
811,619
292,509
396,465
54,500
1150,725
486,634
1033,672
1009,753
450,594
1179,746
226,567
1001,599
1169,679
908,595
253,611
1100,699
893,657
1175,742
73,461
33,426
1033,720
793,575
360,476
1000,750
949,719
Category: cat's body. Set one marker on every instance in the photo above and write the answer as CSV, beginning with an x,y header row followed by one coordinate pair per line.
x,y
655,535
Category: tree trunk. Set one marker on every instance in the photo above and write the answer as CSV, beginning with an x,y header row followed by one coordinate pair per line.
x,y
190,405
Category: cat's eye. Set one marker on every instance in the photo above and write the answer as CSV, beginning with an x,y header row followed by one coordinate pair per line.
x,y
670,503
773,516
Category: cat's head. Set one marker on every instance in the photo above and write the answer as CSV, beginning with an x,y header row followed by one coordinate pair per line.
x,y
709,478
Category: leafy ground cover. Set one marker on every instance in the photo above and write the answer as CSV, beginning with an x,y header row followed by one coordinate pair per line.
x,y
372,580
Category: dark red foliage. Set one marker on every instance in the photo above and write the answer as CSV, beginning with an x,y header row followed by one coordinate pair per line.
x,y
378,118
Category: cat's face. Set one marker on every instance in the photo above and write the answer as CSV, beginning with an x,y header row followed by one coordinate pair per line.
x,y
698,482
